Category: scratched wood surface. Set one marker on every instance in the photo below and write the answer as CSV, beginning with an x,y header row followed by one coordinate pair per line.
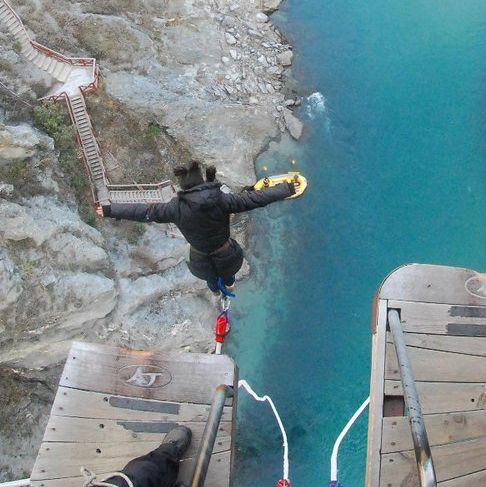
x,y
115,404
443,316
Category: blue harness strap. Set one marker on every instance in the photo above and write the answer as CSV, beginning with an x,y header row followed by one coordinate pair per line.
x,y
222,288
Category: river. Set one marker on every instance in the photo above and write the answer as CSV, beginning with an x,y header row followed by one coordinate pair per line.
x,y
394,152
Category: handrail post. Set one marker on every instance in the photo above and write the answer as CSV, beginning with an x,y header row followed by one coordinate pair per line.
x,y
423,455
209,436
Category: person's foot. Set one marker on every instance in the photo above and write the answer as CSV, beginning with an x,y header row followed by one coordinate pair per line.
x,y
231,288
180,437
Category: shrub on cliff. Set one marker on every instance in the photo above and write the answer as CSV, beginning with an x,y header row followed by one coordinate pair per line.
x,y
54,120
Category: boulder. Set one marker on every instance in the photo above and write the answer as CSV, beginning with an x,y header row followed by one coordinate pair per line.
x,y
269,6
230,39
293,124
285,58
261,17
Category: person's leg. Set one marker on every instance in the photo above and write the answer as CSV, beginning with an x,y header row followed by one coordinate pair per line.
x,y
229,283
160,467
212,285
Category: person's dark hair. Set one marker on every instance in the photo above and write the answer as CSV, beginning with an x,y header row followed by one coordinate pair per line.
x,y
210,174
189,176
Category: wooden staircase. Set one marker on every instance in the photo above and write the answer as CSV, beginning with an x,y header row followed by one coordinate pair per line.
x,y
61,68
88,142
148,193
57,65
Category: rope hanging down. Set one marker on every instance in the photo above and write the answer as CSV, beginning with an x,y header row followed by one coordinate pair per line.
x,y
285,481
334,468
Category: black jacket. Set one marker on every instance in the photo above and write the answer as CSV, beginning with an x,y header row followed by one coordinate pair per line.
x,y
201,213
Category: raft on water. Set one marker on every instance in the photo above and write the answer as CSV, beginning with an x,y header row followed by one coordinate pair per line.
x,y
290,177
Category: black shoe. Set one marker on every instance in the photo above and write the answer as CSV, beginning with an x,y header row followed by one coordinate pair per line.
x,y
180,437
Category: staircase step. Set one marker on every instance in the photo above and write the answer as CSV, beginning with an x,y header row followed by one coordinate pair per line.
x,y
58,68
18,28
53,66
65,72
37,55
11,20
30,54
41,60
45,64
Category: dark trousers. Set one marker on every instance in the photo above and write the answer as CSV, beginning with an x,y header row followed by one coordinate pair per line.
x,y
159,468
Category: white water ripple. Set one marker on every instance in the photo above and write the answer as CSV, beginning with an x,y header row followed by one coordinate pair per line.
x,y
315,105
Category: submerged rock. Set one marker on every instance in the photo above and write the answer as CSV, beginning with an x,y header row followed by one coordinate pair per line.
x,y
293,124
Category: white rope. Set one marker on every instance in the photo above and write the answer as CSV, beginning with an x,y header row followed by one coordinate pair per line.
x,y
335,450
90,479
246,386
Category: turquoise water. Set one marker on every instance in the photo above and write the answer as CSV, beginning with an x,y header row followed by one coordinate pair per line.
x,y
395,158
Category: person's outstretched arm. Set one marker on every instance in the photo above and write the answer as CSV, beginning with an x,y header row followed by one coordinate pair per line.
x,y
249,200
141,212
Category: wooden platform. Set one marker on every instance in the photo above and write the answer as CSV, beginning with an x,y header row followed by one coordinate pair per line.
x,y
115,404
443,315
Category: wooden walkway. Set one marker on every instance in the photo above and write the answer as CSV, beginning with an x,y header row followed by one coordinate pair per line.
x,y
115,404
443,316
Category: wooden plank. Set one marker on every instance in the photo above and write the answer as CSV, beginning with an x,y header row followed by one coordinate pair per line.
x,y
178,377
56,460
445,343
450,461
477,479
86,404
441,429
218,474
376,397
441,319
219,471
442,397
82,430
433,284
437,366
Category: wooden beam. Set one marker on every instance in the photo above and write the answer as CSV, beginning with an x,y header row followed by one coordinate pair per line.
x,y
376,397
444,397
450,461
441,429
182,377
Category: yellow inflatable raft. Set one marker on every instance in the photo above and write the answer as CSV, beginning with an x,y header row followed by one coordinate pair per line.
x,y
290,177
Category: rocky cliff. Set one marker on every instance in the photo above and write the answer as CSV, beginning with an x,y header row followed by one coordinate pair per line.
x,y
181,79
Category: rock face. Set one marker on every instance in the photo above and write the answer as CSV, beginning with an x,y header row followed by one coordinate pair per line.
x,y
19,143
209,77
61,279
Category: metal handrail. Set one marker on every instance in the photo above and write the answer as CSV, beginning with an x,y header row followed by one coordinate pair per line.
x,y
223,391
423,455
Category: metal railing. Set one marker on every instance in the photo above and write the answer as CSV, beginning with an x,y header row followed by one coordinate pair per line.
x,y
209,436
423,455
